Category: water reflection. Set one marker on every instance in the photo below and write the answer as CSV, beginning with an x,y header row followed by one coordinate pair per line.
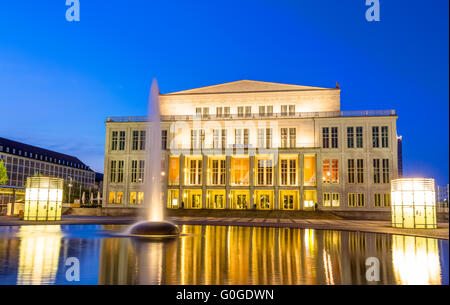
x,y
219,255
39,254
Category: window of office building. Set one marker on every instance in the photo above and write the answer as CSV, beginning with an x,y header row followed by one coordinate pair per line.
x,y
219,112
309,199
375,136
226,111
331,199
217,170
164,139
291,110
384,136
386,171
134,169
356,200
113,169
202,111
284,110
377,200
334,137
387,200
240,170
193,171
122,140
352,200
138,140
309,170
219,138
112,197
262,110
120,165
264,199
114,140
359,171
359,137
240,111
330,172
248,111
288,170
264,137
215,199
141,169
119,197
376,171
264,174
133,198
350,137
240,199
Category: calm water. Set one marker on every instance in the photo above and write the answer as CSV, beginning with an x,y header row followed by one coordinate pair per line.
x,y
218,255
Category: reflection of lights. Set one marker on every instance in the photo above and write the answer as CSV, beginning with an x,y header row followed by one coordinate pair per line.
x,y
43,198
39,254
328,268
416,260
413,203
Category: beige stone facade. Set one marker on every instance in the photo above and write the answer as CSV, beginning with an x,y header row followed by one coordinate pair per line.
x,y
257,145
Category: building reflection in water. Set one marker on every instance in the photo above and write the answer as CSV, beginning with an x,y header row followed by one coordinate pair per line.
x,y
39,254
255,255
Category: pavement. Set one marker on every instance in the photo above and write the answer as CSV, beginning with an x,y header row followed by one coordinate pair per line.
x,y
373,226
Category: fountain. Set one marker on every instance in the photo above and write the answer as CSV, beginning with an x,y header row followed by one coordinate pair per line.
x,y
154,224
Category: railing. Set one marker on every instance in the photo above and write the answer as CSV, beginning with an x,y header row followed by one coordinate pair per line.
x,y
322,114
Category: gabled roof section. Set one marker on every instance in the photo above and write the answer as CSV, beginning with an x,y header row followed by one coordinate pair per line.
x,y
243,86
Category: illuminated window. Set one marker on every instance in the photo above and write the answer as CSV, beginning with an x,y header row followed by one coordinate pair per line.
x,y
289,200
112,197
174,170
119,197
331,199
330,172
192,199
264,199
193,171
133,198
309,170
240,169
288,170
172,199
309,199
264,170
240,199
387,200
217,170
140,197
326,199
216,199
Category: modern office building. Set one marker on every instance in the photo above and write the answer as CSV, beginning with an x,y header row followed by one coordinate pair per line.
x,y
23,160
257,145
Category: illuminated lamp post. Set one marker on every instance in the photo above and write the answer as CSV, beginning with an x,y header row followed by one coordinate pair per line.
x,y
43,198
413,203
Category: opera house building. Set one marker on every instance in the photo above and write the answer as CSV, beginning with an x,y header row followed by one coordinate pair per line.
x,y
257,145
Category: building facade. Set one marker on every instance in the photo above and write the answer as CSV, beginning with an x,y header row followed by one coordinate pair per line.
x,y
23,160
257,145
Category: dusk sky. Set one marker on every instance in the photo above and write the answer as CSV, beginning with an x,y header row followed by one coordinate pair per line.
x,y
59,80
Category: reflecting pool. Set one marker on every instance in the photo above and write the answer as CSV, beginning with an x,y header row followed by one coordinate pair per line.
x,y
217,255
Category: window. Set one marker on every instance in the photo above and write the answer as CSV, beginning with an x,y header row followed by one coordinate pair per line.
x,y
164,139
331,199
292,137
269,110
194,171
219,112
241,136
350,137
330,171
262,110
134,166
140,177
352,200
334,137
351,170
174,170
284,137
112,197
325,137
248,111
384,136
375,136
288,170
133,198
120,171
217,170
376,171
377,200
385,170
359,171
138,140
240,111
261,138
197,138
288,137
284,110
240,169
309,170
359,137
264,171
119,197
114,137
291,110
289,200
360,200
387,200
198,110
113,171
226,111
122,140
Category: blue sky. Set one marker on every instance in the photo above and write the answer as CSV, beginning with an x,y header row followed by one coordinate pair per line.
x,y
60,80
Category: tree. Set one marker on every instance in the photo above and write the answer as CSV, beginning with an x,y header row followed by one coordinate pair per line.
x,y
3,174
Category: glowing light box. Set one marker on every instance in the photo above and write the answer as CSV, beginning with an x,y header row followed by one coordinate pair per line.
x,y
43,198
413,203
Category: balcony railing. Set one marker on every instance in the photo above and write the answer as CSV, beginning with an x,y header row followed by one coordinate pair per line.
x,y
323,114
